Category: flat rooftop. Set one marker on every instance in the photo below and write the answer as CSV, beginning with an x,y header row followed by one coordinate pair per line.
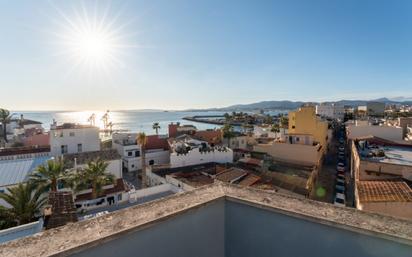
x,y
400,155
384,191
224,220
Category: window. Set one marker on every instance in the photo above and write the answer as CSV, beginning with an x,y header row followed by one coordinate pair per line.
x,y
79,148
61,134
63,149
137,153
71,134
293,127
151,162
297,139
119,197
129,154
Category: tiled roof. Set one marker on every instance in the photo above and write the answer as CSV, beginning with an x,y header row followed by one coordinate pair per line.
x,y
251,161
24,150
82,158
210,136
194,179
230,175
73,126
63,210
156,142
249,180
384,191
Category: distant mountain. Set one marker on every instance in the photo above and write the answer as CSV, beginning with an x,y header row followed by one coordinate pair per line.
x,y
288,105
279,105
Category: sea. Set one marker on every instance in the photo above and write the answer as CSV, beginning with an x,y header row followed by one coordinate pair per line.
x,y
126,121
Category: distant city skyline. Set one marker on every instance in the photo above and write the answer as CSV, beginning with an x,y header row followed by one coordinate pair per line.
x,y
176,55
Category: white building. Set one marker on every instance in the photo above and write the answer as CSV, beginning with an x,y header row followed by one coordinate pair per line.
x,y
186,151
361,129
157,151
80,160
331,111
70,138
408,134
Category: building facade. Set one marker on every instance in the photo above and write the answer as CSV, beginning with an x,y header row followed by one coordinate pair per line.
x,y
305,122
72,138
331,111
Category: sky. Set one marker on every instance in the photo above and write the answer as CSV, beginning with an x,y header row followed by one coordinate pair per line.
x,y
181,54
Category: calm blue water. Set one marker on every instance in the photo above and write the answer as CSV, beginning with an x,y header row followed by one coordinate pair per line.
x,y
133,121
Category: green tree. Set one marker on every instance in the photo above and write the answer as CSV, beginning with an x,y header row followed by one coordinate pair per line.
x,y
284,122
275,128
6,219
228,133
46,177
156,127
94,176
269,119
26,203
5,119
141,139
227,117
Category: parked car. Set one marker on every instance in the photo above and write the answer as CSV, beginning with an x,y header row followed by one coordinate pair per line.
x,y
339,200
341,140
340,180
339,168
339,187
340,176
341,164
341,149
340,191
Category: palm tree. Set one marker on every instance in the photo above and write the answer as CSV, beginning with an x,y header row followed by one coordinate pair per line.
x,y
156,127
26,202
46,177
95,176
141,139
6,219
227,117
275,128
284,122
228,133
5,118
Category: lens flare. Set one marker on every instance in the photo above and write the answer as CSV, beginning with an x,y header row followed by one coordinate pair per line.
x,y
91,38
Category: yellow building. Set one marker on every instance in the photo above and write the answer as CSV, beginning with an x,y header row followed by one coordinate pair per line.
x,y
305,122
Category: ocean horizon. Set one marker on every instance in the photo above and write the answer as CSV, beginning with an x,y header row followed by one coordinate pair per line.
x,y
125,121
130,121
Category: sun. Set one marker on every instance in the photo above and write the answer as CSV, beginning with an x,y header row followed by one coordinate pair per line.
x,y
92,45
91,38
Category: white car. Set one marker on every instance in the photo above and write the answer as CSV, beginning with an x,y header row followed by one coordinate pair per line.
x,y
339,200
340,168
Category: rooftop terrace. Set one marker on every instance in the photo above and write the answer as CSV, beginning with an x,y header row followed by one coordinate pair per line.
x,y
400,155
222,220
